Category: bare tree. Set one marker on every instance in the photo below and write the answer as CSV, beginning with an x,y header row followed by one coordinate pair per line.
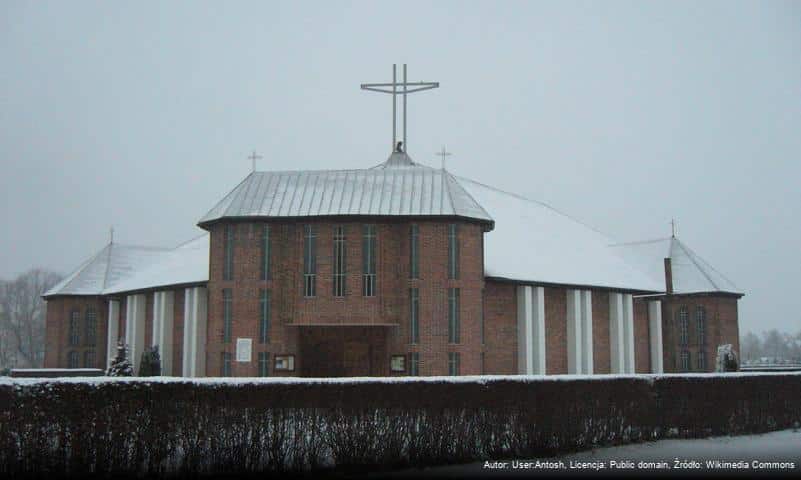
x,y
751,347
22,318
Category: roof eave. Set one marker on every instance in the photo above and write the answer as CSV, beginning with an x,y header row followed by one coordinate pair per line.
x,y
540,283
205,225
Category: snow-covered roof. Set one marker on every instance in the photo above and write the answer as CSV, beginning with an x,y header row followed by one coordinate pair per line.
x,y
112,265
117,268
186,264
398,187
532,242
691,273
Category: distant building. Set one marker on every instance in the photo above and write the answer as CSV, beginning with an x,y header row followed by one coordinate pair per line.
x,y
399,269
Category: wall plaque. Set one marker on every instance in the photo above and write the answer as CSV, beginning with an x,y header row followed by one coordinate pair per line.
x,y
244,349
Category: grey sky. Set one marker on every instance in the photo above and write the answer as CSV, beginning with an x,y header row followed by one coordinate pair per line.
x,y
623,114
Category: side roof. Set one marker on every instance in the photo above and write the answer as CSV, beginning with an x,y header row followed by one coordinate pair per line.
x,y
112,265
690,272
186,264
532,242
398,187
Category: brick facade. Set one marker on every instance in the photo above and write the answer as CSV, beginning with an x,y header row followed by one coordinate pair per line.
x,y
721,328
387,313
57,332
358,335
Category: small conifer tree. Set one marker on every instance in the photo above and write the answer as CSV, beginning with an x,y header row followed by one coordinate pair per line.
x,y
151,363
120,366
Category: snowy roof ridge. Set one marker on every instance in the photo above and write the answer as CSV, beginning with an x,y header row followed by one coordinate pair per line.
x,y
185,264
63,284
538,202
639,242
108,263
534,242
112,264
690,273
697,258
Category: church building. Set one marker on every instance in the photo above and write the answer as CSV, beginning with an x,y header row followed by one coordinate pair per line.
x,y
398,269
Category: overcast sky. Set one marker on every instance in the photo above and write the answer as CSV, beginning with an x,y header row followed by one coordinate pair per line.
x,y
141,115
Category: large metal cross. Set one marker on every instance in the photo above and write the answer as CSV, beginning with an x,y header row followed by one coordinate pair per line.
x,y
393,89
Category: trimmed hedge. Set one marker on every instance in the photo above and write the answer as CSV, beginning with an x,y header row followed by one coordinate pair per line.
x,y
181,426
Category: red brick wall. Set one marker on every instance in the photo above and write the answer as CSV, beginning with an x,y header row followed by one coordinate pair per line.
x,y
555,330
57,345
290,309
500,328
642,342
721,328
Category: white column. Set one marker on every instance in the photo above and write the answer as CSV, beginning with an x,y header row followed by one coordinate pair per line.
x,y
135,329
538,328
628,329
530,330
587,365
525,339
655,335
194,361
162,328
574,361
201,304
113,331
616,330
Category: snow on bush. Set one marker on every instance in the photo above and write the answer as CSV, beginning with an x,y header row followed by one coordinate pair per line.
x,y
119,425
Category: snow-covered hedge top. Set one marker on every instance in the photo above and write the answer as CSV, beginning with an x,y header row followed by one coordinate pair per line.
x,y
479,379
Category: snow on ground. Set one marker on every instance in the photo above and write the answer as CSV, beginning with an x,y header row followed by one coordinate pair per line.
x,y
746,455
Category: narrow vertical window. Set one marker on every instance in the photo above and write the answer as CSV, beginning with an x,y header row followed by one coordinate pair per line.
x,y
264,316
309,260
264,364
339,261
91,327
701,360
225,364
228,265
684,322
368,261
700,324
75,335
481,317
453,251
265,252
72,360
414,315
685,361
453,315
414,364
89,359
227,315
414,251
453,363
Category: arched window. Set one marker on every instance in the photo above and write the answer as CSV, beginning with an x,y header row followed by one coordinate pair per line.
x,y
75,335
700,324
684,324
91,327
72,360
